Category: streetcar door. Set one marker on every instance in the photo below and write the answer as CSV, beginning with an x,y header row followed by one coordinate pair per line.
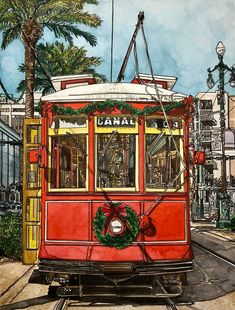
x,y
31,191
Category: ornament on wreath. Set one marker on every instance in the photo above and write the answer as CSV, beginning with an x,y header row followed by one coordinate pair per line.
x,y
116,225
147,227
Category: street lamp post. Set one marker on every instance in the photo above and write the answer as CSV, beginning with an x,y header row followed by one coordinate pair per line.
x,y
222,69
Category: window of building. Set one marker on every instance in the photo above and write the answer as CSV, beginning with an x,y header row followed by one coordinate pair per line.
x,y
206,104
230,139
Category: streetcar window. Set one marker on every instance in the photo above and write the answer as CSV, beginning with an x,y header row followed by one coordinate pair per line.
x,y
60,122
68,161
116,157
162,166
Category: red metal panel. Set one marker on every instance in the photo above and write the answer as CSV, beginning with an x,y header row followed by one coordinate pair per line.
x,y
169,252
91,156
77,81
75,252
169,220
134,205
141,161
106,254
67,221
103,253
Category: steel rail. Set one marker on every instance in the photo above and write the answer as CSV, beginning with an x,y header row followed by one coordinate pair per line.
x,y
213,253
61,304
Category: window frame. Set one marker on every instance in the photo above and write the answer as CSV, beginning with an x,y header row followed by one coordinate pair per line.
x,y
178,132
52,132
121,130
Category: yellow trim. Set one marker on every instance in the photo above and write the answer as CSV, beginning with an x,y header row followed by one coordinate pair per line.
x,y
32,236
64,131
181,150
72,130
67,189
33,209
169,190
181,164
174,131
120,189
31,220
124,130
116,189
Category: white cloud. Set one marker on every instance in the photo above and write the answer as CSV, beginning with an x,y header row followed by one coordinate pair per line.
x,y
182,36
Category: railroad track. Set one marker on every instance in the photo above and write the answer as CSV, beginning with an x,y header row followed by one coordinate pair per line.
x,y
64,304
213,253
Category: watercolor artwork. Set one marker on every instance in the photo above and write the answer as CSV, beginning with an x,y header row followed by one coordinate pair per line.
x,y
117,154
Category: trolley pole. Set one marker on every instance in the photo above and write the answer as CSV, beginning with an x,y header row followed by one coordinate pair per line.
x,y
222,69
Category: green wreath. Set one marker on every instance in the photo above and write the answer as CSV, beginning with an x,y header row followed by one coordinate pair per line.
x,y
119,241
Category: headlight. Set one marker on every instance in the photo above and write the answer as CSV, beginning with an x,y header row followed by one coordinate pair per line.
x,y
116,226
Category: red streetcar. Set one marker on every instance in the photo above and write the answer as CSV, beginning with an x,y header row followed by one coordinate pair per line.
x,y
107,187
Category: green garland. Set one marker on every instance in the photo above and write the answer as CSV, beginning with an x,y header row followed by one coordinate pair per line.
x,y
120,105
119,242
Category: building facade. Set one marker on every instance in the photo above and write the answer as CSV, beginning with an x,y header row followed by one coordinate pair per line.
x,y
13,113
207,138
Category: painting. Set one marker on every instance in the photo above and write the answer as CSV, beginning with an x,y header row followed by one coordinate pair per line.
x,y
112,190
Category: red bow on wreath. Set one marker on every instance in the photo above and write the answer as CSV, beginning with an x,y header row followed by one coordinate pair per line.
x,y
114,211
111,210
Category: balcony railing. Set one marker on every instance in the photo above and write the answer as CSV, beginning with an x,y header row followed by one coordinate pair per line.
x,y
207,117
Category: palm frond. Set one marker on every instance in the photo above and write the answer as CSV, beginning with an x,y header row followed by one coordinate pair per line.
x,y
10,35
70,16
67,31
21,86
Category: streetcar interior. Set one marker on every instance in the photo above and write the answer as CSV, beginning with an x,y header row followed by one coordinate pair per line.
x,y
117,153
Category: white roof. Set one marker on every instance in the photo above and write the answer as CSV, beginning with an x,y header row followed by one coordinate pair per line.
x,y
115,91
170,80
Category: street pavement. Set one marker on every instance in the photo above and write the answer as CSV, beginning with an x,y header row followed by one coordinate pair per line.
x,y
211,285
220,241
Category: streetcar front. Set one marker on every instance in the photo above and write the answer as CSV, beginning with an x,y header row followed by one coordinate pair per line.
x,y
115,189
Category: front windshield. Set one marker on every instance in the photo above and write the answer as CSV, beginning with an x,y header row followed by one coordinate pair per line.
x,y
116,160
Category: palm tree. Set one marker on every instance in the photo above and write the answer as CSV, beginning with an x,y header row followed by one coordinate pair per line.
x,y
59,59
26,19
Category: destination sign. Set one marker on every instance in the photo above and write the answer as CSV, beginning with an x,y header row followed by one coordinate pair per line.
x,y
115,121
162,123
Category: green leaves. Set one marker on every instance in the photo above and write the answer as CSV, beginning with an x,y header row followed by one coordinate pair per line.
x,y
59,59
10,234
61,17
120,105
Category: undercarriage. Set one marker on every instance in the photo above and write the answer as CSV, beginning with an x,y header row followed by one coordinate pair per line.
x,y
122,280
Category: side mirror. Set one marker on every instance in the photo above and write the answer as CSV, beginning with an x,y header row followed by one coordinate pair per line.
x,y
199,157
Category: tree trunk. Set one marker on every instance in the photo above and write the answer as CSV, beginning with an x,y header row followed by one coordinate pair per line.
x,y
30,80
30,35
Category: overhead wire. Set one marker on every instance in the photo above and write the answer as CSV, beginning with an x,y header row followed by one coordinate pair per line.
x,y
111,49
157,100
159,97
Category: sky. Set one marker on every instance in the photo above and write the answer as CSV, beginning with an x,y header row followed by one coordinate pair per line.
x,y
181,35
